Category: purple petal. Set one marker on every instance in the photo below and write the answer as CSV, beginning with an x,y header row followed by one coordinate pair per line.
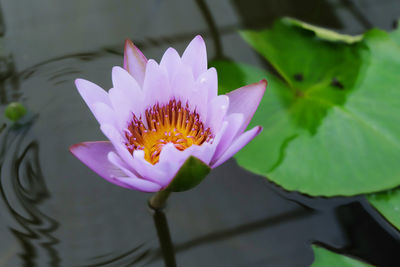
x,y
198,101
125,82
217,109
91,93
204,89
245,100
104,114
169,151
238,144
139,184
94,155
208,81
203,152
171,61
134,62
136,164
126,96
195,56
234,122
156,85
182,84
121,106
131,180
115,159
157,173
118,142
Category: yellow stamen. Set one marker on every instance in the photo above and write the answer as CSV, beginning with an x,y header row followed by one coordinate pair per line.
x,y
171,123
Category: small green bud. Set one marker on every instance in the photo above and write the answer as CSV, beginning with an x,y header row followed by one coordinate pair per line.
x,y
15,111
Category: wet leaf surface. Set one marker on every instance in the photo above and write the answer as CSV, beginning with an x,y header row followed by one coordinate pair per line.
x,y
388,204
331,122
325,258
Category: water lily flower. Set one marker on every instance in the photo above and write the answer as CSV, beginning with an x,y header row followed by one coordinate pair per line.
x,y
156,116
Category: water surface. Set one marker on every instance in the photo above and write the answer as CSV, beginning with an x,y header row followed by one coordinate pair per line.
x,y
54,211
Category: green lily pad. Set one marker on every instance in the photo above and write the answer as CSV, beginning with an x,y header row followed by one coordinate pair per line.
x,y
192,172
331,120
388,204
326,258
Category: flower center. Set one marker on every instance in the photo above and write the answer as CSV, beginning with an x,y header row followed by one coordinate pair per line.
x,y
171,123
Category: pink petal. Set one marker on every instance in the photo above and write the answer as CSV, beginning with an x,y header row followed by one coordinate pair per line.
x,y
91,93
94,155
131,180
234,122
245,100
156,85
238,144
195,56
134,62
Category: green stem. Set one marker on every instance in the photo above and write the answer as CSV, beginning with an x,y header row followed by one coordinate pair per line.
x,y
157,201
164,237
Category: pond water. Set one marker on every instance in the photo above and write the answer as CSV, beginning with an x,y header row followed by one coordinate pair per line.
x,y
56,212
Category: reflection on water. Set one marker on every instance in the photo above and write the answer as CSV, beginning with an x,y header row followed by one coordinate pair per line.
x,y
56,212
31,227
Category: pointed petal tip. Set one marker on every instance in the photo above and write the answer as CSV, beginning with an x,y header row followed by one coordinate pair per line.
x,y
198,37
74,147
152,62
237,145
195,56
198,40
130,46
134,61
78,82
171,50
128,42
115,70
259,130
264,81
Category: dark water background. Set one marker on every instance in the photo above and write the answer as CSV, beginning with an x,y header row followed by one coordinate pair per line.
x,y
54,211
